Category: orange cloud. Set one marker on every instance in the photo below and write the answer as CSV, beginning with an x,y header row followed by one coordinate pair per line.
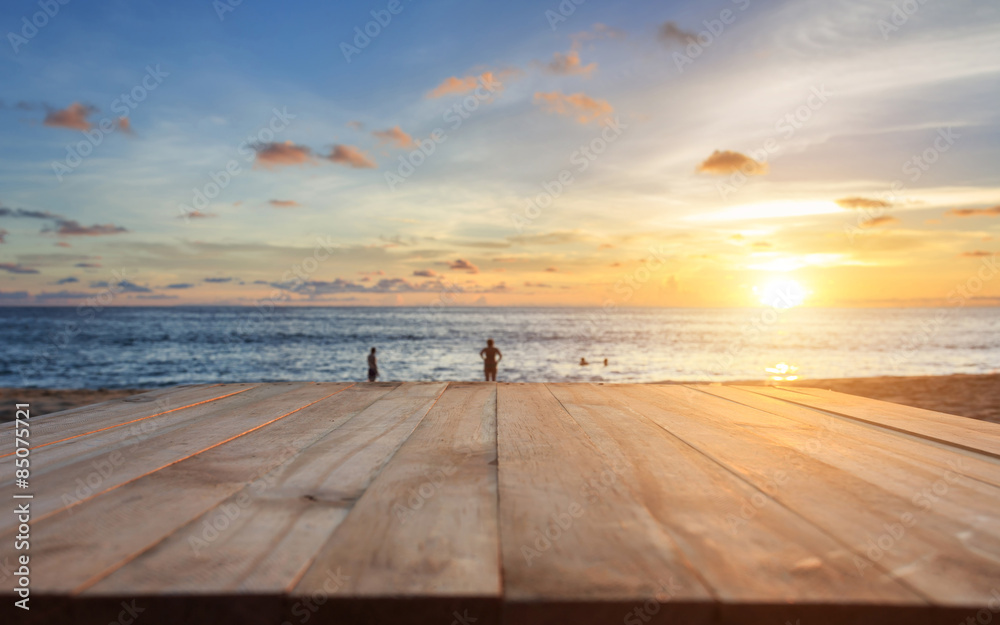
x,y
281,154
350,156
974,212
125,125
394,135
425,273
74,116
488,80
284,203
569,64
585,108
726,162
861,202
884,220
976,254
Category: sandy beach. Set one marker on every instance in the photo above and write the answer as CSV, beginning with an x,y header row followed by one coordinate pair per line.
x,y
973,396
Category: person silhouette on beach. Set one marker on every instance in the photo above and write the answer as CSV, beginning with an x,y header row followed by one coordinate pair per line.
x,y
372,366
491,356
583,362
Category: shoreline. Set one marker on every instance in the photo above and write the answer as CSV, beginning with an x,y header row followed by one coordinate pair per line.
x,y
976,396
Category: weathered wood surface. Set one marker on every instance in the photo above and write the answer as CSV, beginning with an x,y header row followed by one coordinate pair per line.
x,y
528,503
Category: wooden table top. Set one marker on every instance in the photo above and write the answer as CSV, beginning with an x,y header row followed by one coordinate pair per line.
x,y
492,503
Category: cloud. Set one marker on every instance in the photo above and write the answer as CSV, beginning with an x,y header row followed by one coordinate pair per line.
x,y
424,273
18,268
67,280
197,214
62,226
350,156
218,280
125,125
491,81
71,228
551,269
727,162
13,295
670,33
974,212
860,202
538,285
180,285
87,265
976,254
272,155
130,287
74,116
569,64
157,296
394,135
883,220
463,265
283,203
582,106
62,244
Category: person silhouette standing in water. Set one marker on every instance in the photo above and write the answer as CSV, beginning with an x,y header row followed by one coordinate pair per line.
x,y
372,366
491,356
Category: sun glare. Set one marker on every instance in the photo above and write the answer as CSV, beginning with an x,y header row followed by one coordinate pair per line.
x,y
781,293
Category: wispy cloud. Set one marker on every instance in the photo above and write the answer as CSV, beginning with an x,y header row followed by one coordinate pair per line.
x,y
569,64
975,212
16,268
579,105
861,202
283,203
350,156
395,136
491,81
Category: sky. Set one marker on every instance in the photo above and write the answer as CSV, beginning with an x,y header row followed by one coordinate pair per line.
x,y
445,152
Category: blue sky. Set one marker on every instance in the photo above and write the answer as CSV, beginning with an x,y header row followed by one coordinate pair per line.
x,y
702,180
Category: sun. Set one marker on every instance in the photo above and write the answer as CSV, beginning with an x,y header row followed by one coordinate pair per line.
x,y
781,293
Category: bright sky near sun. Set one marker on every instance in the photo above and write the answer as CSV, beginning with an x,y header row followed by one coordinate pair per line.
x,y
408,152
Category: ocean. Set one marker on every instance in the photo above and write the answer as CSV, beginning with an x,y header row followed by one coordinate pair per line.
x,y
154,347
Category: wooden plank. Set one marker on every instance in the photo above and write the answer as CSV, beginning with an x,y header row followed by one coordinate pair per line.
x,y
278,530
428,523
972,434
930,553
60,426
72,551
568,545
70,472
911,450
777,557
